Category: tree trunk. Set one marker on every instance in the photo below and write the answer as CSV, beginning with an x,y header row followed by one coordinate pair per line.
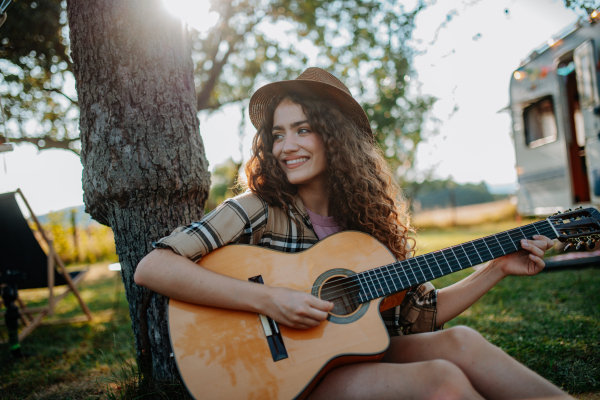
x,y
144,166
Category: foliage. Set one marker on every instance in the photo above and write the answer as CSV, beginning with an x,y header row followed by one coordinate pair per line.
x,y
35,68
224,184
366,43
586,5
90,243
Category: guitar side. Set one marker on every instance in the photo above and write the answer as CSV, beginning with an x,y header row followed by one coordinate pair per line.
x,y
223,354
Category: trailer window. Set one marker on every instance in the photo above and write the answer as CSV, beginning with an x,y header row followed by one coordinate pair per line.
x,y
540,123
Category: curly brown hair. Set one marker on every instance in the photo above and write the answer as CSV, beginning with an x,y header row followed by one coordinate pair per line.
x,y
363,195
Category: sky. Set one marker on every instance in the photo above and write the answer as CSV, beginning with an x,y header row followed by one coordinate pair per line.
x,y
466,53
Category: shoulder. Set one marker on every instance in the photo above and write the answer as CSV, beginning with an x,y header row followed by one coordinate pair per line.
x,y
249,201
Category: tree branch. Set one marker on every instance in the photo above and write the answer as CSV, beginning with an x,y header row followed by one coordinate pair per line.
x,y
49,143
61,93
203,96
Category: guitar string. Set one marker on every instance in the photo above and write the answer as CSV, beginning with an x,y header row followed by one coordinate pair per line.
x,y
380,277
471,253
377,279
394,266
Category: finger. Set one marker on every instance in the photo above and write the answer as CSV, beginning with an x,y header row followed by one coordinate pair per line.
x,y
549,242
531,244
317,315
539,262
532,248
320,304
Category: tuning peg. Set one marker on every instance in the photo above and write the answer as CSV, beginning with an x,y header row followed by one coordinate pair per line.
x,y
568,246
591,243
578,245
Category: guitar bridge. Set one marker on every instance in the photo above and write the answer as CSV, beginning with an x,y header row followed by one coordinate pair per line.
x,y
271,329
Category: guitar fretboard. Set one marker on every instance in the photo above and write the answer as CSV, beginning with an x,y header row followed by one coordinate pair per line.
x,y
399,276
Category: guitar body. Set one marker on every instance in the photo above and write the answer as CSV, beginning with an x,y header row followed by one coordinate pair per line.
x,y
224,354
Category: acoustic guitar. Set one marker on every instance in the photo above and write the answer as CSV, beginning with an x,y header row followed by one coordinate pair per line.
x,y
226,354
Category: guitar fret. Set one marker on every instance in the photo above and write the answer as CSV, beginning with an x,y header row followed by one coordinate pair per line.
x,y
438,265
386,280
449,266
466,255
362,288
391,277
398,266
488,247
435,257
453,261
406,275
408,270
478,255
516,242
501,248
427,263
379,291
369,285
427,268
482,249
456,258
422,273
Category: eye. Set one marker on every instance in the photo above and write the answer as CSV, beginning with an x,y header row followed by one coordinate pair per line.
x,y
304,130
277,136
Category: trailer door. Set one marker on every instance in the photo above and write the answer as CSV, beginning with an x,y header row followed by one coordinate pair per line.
x,y
587,87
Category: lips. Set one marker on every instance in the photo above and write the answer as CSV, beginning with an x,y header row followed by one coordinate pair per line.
x,y
295,162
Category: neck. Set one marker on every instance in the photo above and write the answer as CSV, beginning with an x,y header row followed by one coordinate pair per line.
x,y
315,198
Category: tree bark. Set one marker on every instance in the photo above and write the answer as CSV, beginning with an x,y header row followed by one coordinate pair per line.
x,y
144,166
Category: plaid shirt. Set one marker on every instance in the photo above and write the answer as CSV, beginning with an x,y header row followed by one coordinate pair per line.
x,y
248,219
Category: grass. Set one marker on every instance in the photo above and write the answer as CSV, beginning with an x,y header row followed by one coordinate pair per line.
x,y
73,360
549,322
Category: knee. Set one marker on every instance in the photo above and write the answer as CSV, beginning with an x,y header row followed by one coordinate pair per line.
x,y
448,382
463,338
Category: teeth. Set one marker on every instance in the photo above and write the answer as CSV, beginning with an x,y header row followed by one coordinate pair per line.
x,y
297,160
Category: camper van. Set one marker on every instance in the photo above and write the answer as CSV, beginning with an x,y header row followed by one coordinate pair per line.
x,y
555,108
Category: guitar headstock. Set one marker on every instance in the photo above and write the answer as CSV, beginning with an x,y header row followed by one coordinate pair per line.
x,y
578,226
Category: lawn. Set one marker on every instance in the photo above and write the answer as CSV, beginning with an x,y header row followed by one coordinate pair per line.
x,y
550,322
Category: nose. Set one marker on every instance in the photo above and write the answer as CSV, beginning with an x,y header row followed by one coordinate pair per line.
x,y
290,144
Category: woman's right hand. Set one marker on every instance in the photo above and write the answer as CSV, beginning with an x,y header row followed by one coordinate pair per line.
x,y
296,309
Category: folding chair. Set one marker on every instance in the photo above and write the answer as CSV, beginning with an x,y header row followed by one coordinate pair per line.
x,y
21,252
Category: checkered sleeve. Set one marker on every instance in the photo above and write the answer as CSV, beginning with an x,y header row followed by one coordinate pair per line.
x,y
416,314
238,220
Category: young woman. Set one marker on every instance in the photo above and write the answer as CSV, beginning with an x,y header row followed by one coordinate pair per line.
x,y
316,170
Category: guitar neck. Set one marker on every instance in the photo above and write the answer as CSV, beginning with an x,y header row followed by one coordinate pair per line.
x,y
401,275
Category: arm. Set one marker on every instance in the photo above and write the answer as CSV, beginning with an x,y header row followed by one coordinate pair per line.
x,y
177,277
456,298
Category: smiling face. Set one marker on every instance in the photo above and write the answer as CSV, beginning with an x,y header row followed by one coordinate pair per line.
x,y
299,150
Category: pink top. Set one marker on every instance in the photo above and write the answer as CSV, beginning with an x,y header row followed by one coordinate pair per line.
x,y
324,226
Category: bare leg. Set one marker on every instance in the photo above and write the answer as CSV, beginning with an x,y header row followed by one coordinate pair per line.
x,y
432,380
492,372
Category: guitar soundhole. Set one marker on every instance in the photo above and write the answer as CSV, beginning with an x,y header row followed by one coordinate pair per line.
x,y
342,292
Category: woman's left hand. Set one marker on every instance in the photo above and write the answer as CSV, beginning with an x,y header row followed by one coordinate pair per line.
x,y
528,261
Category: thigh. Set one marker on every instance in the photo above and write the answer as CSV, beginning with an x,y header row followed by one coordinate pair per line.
x,y
454,345
435,379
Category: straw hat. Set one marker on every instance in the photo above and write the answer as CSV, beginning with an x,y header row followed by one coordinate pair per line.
x,y
313,81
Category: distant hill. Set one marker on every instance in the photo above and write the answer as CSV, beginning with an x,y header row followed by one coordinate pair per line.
x,y
435,194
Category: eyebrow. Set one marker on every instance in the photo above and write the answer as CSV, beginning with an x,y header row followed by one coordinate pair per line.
x,y
294,125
